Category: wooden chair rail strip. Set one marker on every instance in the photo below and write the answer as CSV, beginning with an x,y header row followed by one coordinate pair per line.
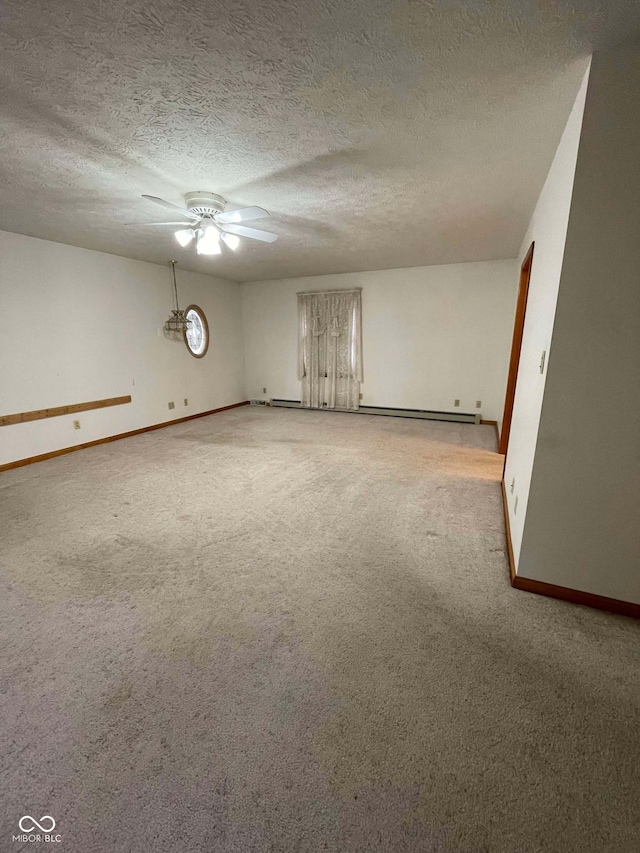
x,y
8,466
57,411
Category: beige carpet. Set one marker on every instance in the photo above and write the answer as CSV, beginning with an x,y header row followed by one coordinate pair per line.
x,y
275,630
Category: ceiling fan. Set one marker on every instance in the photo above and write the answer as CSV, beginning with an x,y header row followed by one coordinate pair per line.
x,y
206,221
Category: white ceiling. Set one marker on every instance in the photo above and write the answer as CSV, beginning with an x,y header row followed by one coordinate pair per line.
x,y
379,133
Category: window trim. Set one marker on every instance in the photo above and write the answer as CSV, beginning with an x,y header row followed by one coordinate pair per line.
x,y
205,325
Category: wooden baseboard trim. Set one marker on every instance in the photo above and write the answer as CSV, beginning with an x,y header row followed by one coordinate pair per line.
x,y
507,527
41,458
493,424
574,596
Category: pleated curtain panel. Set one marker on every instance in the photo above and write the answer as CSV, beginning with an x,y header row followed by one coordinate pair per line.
x,y
330,348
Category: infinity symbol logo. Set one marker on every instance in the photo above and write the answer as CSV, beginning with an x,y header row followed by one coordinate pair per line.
x,y
34,823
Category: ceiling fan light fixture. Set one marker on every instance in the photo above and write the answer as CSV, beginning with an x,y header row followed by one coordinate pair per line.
x,y
209,241
231,240
185,236
208,225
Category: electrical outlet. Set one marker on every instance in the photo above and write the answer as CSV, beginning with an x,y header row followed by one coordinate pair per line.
x,y
76,424
186,401
513,485
478,404
264,390
172,405
515,506
361,395
456,402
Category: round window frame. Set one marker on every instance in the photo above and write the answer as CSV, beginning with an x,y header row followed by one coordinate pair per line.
x,y
205,326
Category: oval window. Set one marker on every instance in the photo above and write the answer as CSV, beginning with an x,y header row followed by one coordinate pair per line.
x,y
196,336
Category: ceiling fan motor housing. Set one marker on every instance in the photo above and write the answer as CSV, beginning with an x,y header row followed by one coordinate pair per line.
x,y
204,204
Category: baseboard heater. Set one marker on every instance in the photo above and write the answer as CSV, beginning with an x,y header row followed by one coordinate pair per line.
x,y
458,417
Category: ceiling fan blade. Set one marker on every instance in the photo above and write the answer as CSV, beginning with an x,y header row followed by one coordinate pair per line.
x,y
244,214
253,233
183,223
183,211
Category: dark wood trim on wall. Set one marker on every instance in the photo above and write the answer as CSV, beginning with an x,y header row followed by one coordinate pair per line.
x,y
57,411
31,459
575,596
516,346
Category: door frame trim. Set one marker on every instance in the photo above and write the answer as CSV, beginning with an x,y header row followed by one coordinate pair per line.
x,y
516,347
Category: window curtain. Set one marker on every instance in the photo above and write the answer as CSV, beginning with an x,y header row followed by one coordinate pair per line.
x,y
330,349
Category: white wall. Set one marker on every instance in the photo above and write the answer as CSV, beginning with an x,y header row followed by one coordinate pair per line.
x,y
548,228
583,521
78,325
430,334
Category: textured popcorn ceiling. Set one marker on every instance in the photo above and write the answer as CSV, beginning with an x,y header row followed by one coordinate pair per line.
x,y
378,133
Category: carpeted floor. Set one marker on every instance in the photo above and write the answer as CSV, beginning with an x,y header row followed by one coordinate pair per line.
x,y
275,630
